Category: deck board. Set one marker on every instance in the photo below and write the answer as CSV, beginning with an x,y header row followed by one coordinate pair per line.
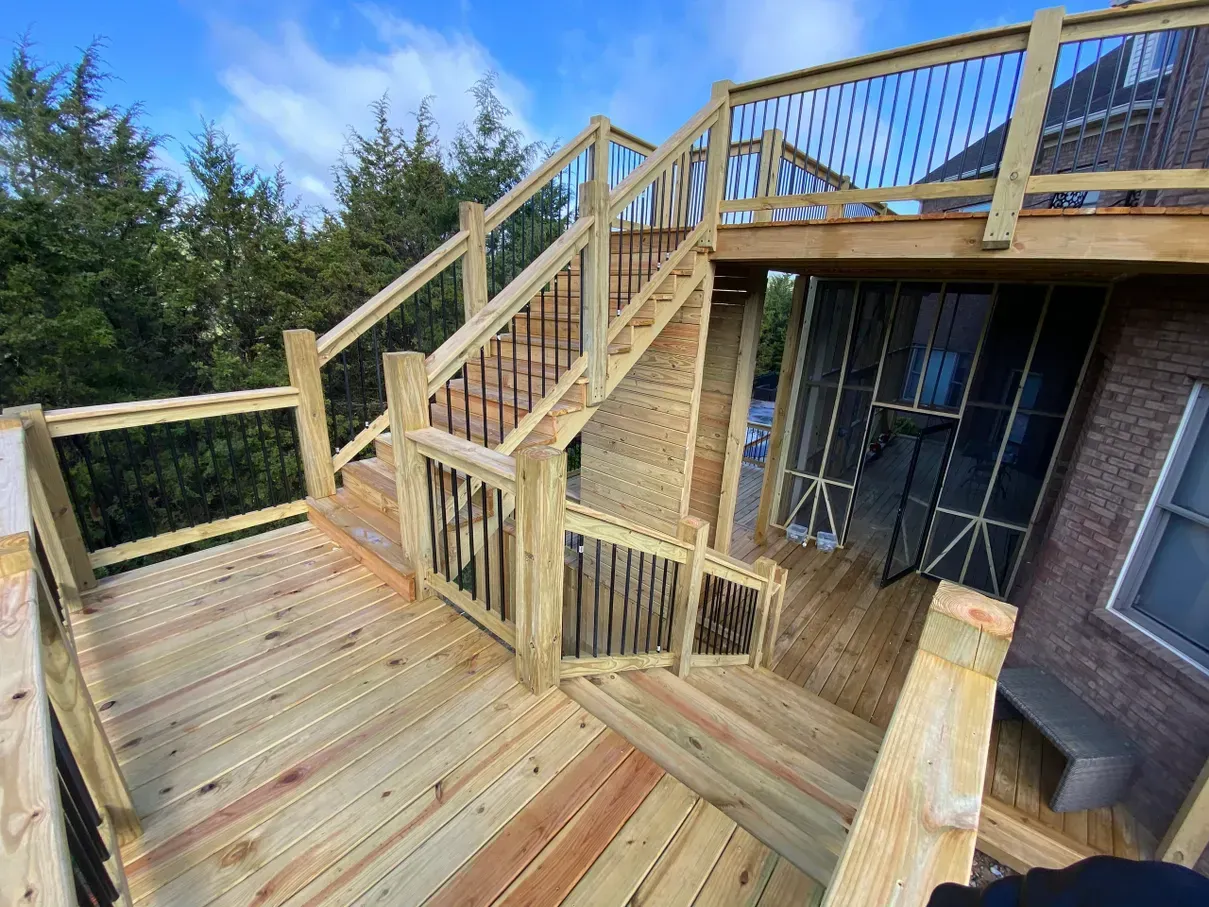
x,y
299,734
847,639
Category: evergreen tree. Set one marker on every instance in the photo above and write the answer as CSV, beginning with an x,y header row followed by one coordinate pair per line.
x,y
778,297
84,215
243,273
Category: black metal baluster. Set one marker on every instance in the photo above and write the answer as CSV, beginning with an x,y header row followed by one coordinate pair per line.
x,y
499,510
443,521
579,594
650,605
596,606
486,549
432,516
612,597
268,469
637,597
159,476
247,455
118,483
201,481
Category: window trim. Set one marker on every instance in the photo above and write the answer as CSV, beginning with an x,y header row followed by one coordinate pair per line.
x,y
1154,519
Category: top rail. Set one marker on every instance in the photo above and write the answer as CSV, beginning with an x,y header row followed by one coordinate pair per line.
x,y
450,251
732,569
1155,16
605,526
629,140
475,333
79,420
475,460
638,181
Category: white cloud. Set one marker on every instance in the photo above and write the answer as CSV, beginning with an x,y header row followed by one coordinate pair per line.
x,y
292,104
291,101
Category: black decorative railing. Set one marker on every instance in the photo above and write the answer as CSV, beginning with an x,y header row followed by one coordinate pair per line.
x,y
353,384
616,600
755,444
88,850
726,617
470,538
127,484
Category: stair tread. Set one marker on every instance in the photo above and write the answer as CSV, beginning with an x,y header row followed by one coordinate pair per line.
x,y
798,805
368,534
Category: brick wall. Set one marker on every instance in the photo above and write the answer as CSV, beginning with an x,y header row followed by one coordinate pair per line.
x,y
1153,347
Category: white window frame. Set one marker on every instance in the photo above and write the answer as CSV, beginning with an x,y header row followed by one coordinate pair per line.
x,y
1141,551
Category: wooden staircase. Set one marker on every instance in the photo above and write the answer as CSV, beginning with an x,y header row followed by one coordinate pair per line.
x,y
522,370
784,764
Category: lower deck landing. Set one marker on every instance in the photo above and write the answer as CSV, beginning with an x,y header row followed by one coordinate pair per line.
x,y
294,732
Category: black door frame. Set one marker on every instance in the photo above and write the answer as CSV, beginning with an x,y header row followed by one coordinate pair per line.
x,y
949,425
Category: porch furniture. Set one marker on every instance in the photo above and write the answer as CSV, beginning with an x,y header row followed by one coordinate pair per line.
x,y
1099,759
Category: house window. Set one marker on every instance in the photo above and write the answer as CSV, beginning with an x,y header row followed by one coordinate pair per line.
x,y
1165,584
1149,56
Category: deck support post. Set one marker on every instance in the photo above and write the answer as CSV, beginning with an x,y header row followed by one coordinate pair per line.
x,y
740,403
541,499
695,533
407,404
302,359
1024,130
474,262
786,384
594,202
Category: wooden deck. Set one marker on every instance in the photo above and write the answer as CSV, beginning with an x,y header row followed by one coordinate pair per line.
x,y
293,732
850,641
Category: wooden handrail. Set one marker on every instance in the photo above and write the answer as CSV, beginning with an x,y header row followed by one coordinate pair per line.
x,y
918,819
609,528
79,420
638,181
732,569
526,188
495,469
631,141
448,358
392,296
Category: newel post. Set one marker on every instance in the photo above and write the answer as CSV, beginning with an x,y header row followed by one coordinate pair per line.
x,y
1024,130
716,157
594,202
474,262
315,449
407,404
694,533
541,498
766,567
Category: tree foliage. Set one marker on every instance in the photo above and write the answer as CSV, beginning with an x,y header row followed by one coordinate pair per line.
x,y
118,280
777,299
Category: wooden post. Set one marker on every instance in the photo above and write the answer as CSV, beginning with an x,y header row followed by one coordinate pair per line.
x,y
1188,835
694,532
407,404
594,201
1024,131
302,359
600,149
541,498
716,158
56,556
40,451
736,435
767,568
772,142
781,577
835,212
474,262
781,410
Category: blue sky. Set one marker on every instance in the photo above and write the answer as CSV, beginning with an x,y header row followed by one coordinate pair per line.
x,y
287,77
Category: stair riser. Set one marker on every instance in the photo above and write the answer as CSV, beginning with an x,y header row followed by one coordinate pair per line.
x,y
403,584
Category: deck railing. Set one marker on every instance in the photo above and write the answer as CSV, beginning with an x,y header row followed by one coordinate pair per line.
x,y
129,480
1110,101
65,807
755,443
